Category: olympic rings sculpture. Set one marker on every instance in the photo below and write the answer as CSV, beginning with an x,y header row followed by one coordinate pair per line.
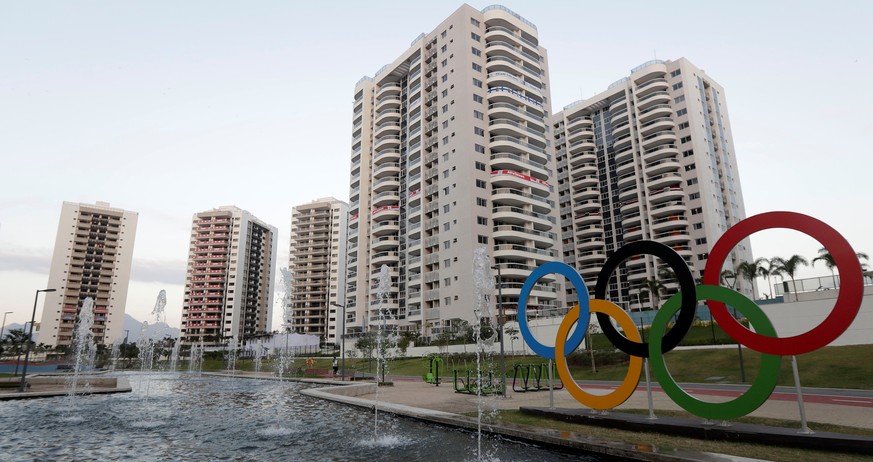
x,y
764,339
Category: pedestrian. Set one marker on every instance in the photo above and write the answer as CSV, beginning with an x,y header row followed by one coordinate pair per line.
x,y
335,367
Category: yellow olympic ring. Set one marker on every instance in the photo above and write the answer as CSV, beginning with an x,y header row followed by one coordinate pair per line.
x,y
631,380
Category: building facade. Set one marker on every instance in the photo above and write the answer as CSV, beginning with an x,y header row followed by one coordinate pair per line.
x,y
651,157
318,263
230,277
92,258
450,152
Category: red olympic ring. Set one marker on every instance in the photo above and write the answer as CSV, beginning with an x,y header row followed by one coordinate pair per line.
x,y
848,301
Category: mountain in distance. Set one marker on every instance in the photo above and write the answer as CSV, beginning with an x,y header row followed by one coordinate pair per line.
x,y
133,329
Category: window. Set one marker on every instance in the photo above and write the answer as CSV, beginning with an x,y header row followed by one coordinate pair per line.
x,y
691,167
702,256
443,35
692,181
477,67
477,52
445,140
482,239
447,245
447,263
675,73
445,108
478,131
477,98
445,173
445,93
679,98
697,226
475,36
693,196
482,221
682,112
477,83
444,48
480,184
446,226
445,125
479,148
445,62
700,241
447,282
480,166
446,208
474,22
696,210
677,86
688,153
446,191
478,115
445,77
481,202
685,139
683,125
447,301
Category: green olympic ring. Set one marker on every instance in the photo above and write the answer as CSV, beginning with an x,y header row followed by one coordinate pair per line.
x,y
764,383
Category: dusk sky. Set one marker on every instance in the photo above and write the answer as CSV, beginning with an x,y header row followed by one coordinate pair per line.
x,y
171,108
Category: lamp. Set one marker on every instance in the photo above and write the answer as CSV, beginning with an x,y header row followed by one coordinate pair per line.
x,y
29,340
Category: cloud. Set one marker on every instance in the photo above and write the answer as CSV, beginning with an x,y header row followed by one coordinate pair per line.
x,y
163,271
29,261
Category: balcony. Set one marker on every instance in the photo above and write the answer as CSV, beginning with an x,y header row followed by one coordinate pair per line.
x,y
664,209
657,167
664,180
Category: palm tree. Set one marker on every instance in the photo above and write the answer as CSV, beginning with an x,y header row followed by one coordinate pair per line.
x,y
653,288
790,267
727,274
751,270
830,263
773,269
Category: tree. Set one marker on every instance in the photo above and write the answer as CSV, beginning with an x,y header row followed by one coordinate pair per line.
x,y
825,256
790,267
512,332
751,270
652,288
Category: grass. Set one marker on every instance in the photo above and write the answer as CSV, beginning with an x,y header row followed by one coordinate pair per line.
x,y
666,443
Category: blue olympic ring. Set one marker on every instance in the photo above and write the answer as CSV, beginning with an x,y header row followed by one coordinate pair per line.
x,y
574,278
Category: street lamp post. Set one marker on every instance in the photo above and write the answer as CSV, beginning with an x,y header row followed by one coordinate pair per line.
x,y
342,342
4,325
28,340
731,278
500,325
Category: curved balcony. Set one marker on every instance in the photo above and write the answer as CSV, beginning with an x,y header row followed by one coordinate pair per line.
x,y
633,233
514,111
387,115
583,169
509,79
389,101
658,138
628,179
581,146
665,165
654,125
588,218
664,180
582,207
622,143
519,198
589,271
661,152
387,155
390,128
506,126
657,84
390,88
674,237
585,181
586,194
631,219
579,134
587,244
381,258
513,251
519,234
621,129
623,155
388,212
579,122
519,216
385,227
629,206
669,193
384,243
653,112
669,222
658,97
577,161
386,169
505,160
589,231
387,183
387,142
664,209
625,167
386,198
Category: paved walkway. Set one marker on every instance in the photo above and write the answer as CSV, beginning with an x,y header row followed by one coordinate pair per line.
x,y
853,412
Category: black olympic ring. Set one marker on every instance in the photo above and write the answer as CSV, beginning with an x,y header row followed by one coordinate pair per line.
x,y
687,288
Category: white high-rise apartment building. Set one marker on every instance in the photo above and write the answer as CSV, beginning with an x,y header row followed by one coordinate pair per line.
x,y
318,263
450,152
230,277
92,258
652,157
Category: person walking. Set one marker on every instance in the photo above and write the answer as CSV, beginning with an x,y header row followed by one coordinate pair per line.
x,y
335,367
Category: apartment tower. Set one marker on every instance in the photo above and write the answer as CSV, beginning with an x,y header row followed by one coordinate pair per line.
x,y
318,263
92,258
229,282
652,157
450,152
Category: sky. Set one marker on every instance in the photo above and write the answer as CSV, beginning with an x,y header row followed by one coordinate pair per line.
x,y
171,108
